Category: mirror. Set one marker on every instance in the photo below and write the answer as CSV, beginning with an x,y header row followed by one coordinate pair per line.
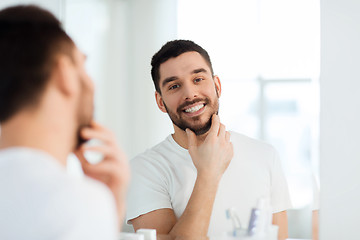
x,y
266,53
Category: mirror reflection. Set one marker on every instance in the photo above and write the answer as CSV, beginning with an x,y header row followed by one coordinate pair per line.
x,y
265,54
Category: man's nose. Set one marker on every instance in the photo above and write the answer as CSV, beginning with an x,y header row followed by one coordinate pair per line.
x,y
190,92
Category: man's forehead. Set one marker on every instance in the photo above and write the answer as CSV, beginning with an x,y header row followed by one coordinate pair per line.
x,y
184,64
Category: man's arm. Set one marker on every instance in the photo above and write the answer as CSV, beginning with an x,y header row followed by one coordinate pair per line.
x,y
198,210
315,224
113,170
280,219
211,159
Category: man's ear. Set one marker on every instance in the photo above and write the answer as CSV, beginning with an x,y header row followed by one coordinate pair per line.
x,y
160,102
217,85
64,75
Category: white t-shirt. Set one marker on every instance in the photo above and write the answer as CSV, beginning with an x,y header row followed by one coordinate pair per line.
x,y
39,200
164,177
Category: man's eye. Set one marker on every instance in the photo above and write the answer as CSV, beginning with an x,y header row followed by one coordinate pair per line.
x,y
174,86
198,79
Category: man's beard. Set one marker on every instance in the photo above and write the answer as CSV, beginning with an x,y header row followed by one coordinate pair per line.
x,y
182,124
85,116
80,140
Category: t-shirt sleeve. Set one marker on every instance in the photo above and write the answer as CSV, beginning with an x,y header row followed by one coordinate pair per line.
x,y
148,189
280,197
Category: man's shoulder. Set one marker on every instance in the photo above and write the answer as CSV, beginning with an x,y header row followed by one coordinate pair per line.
x,y
89,187
159,152
159,160
36,173
41,186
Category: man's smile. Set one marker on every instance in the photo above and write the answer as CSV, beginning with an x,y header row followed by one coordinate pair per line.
x,y
195,108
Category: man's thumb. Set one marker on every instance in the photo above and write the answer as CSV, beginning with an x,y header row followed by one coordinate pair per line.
x,y
191,138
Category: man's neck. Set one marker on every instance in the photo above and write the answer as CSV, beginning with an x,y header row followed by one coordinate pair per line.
x,y
181,138
37,131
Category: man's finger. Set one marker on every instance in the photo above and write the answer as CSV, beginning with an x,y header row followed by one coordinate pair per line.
x,y
227,136
222,131
98,126
191,138
89,133
215,124
98,169
80,155
99,172
104,149
231,149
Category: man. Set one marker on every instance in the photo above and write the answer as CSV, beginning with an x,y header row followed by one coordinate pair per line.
x,y
184,185
46,113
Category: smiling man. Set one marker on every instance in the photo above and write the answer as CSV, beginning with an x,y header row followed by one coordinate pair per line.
x,y
184,185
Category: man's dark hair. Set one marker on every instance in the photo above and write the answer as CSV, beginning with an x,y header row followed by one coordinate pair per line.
x,y
30,40
173,49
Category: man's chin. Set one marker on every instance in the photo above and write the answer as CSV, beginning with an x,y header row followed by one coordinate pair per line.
x,y
200,130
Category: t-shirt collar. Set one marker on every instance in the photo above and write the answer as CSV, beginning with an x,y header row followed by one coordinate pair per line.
x,y
176,145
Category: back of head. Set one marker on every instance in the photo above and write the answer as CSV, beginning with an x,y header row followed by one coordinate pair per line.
x,y
30,40
173,49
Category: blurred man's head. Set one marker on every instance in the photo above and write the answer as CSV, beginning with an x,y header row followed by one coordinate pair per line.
x,y
32,42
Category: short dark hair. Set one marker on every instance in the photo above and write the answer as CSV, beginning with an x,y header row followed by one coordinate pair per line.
x,y
30,40
173,49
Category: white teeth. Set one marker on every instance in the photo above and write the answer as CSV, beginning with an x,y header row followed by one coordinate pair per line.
x,y
194,109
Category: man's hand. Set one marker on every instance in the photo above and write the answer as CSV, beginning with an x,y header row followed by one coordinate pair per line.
x,y
113,170
213,156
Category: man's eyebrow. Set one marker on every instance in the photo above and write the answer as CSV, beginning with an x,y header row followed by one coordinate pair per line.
x,y
169,79
173,78
199,70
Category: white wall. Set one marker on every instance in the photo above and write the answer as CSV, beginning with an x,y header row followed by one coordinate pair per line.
x,y
150,25
340,120
119,55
